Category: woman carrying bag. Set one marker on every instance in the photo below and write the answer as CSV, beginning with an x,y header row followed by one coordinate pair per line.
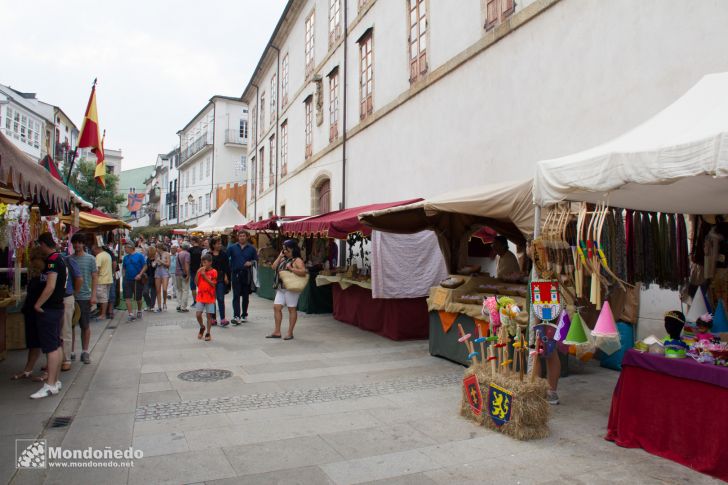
x,y
290,280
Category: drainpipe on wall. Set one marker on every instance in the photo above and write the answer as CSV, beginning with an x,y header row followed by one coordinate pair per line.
x,y
212,169
255,150
179,177
278,111
344,107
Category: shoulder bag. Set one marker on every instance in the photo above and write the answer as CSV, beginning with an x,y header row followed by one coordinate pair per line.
x,y
293,282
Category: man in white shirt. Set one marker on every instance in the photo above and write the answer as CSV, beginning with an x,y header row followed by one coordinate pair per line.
x,y
507,267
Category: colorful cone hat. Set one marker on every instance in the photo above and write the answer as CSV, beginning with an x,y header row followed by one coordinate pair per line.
x,y
698,307
562,328
606,326
720,321
576,333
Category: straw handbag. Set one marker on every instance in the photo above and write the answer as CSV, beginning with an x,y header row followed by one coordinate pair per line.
x,y
293,282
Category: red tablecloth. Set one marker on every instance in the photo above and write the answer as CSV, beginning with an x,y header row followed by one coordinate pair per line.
x,y
397,319
675,409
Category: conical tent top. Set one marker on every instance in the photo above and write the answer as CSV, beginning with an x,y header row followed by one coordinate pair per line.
x,y
720,321
562,328
606,326
698,307
576,333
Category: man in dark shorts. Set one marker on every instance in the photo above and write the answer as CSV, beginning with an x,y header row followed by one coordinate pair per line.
x,y
48,315
195,263
133,266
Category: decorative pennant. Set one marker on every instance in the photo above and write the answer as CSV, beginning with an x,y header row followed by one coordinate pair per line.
x,y
471,387
446,320
546,299
500,404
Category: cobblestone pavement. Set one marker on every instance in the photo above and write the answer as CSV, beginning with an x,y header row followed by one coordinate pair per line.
x,y
334,405
231,404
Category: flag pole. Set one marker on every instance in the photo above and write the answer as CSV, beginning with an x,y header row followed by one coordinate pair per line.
x,y
75,150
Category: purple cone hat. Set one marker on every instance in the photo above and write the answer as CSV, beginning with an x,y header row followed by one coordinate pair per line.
x,y
562,328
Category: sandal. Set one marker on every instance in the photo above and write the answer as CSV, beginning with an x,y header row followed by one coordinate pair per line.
x,y
290,337
208,337
202,332
21,375
40,378
272,336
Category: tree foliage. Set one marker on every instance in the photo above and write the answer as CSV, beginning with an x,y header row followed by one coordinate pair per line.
x,y
104,198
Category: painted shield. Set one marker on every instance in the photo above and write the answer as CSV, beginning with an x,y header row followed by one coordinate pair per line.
x,y
546,299
472,391
500,404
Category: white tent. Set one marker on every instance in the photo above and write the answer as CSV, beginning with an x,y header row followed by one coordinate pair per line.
x,y
225,218
677,161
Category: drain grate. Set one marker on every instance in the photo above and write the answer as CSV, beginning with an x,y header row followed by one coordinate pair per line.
x,y
205,375
61,421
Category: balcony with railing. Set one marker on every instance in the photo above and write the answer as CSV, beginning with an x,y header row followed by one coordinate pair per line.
x,y
232,137
194,148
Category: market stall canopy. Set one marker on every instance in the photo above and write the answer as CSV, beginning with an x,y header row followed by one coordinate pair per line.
x,y
226,217
677,161
95,219
270,224
506,207
20,174
337,224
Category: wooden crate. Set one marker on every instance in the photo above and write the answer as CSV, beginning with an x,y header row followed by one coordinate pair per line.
x,y
15,331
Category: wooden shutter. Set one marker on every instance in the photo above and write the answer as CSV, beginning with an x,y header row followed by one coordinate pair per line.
x,y
507,8
491,13
324,197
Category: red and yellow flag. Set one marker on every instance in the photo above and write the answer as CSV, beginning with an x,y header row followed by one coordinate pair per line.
x,y
89,137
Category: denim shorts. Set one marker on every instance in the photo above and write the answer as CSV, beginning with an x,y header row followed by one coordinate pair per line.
x,y
205,307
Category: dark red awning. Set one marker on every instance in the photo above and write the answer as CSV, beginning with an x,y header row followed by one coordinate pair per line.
x,y
270,224
337,224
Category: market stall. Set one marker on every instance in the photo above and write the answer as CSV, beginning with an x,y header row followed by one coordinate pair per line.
x,y
223,220
266,236
673,164
457,218
352,300
29,197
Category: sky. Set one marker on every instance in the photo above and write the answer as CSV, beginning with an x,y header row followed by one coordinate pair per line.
x,y
158,62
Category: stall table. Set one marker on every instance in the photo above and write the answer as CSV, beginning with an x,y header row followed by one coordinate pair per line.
x,y
673,408
394,318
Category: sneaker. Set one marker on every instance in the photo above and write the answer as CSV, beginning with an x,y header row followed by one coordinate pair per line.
x,y
179,308
85,358
213,323
157,310
45,391
59,385
73,356
552,397
235,321
184,310
244,319
224,323
139,315
130,318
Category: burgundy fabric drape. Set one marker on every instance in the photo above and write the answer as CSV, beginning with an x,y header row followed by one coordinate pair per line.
x,y
396,318
679,417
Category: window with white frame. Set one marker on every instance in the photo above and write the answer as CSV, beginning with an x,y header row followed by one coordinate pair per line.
x,y
366,75
334,104
209,164
308,104
496,11
254,117
22,127
334,21
199,203
309,42
271,159
284,80
284,148
244,130
253,175
273,96
417,38
262,113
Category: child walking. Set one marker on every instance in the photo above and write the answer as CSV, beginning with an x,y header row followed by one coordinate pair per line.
x,y
206,280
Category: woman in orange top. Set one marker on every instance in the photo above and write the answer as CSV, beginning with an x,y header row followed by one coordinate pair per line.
x,y
205,279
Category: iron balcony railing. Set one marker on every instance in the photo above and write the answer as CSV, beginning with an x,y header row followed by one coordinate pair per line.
x,y
194,147
233,136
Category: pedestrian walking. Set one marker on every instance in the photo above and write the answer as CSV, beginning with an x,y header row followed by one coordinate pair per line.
x,y
182,276
195,261
242,257
161,276
172,287
221,264
74,280
113,289
206,280
133,266
150,290
86,296
106,279
288,260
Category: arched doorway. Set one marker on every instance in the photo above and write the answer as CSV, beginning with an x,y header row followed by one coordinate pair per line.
x,y
322,201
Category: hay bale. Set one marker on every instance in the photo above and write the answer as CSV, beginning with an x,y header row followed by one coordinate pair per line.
x,y
529,411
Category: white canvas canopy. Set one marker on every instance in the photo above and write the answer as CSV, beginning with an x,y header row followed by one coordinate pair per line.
x,y
225,218
677,161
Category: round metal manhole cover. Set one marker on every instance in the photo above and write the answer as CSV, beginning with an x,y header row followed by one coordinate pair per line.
x,y
205,375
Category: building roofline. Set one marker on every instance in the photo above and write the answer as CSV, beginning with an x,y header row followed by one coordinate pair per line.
x,y
67,117
23,105
259,66
207,105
